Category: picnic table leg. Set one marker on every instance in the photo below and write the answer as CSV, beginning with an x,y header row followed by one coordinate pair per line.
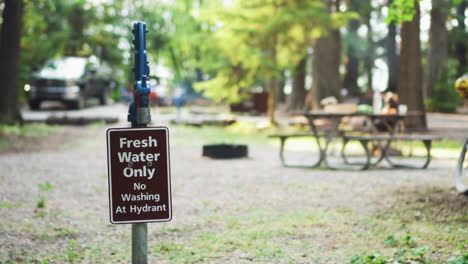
x,y
368,155
322,150
335,122
427,144
315,132
365,145
343,155
283,140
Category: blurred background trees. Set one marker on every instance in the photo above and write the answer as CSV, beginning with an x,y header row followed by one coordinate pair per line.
x,y
297,51
10,38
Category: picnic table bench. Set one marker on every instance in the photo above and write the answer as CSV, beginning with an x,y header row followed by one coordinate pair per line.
x,y
387,139
284,137
323,138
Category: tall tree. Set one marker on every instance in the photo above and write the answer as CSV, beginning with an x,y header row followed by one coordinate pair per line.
x,y
438,45
461,46
326,57
281,85
268,37
10,58
410,70
74,28
273,81
78,19
370,53
297,98
392,57
179,38
352,46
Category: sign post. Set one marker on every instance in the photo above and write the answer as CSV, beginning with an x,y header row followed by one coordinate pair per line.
x,y
138,162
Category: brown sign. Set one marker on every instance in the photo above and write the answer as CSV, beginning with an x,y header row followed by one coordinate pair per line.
x,y
139,175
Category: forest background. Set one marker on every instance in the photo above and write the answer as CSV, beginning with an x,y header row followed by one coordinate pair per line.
x,y
298,51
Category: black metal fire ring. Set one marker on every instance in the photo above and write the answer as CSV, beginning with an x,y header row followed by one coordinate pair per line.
x,y
225,151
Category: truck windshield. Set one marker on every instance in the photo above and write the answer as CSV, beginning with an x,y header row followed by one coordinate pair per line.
x,y
64,68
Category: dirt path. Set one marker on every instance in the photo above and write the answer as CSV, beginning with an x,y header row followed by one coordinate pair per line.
x,y
321,212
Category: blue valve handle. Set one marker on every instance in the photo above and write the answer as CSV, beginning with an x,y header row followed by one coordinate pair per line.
x,y
138,112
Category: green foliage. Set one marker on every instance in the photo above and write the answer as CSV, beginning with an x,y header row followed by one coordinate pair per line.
x,y
41,202
8,205
43,188
40,214
445,98
225,47
55,28
409,241
461,257
73,251
462,245
407,251
391,241
369,259
257,234
401,11
458,259
30,131
268,37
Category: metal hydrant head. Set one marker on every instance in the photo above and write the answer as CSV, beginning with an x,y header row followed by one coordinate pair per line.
x,y
461,85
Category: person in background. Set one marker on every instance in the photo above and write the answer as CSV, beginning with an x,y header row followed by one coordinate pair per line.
x,y
390,104
390,107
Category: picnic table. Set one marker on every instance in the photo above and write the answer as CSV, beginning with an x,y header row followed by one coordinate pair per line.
x,y
324,137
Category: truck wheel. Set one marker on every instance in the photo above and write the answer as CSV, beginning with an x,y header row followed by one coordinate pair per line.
x,y
78,104
34,105
103,98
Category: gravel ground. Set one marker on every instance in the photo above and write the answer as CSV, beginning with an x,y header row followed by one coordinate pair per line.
x,y
77,206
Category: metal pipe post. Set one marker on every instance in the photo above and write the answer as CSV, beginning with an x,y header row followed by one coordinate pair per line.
x,y
139,243
139,116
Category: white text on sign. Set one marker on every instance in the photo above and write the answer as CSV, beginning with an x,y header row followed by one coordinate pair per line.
x,y
136,143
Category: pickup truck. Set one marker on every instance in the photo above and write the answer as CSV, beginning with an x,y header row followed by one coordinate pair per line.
x,y
71,80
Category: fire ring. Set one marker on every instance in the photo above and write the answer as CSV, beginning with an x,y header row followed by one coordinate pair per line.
x,y
225,151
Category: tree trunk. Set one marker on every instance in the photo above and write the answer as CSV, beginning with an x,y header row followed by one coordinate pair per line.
x,y
460,46
298,93
10,57
352,61
281,95
392,58
369,61
326,58
325,68
438,45
273,86
272,90
410,71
